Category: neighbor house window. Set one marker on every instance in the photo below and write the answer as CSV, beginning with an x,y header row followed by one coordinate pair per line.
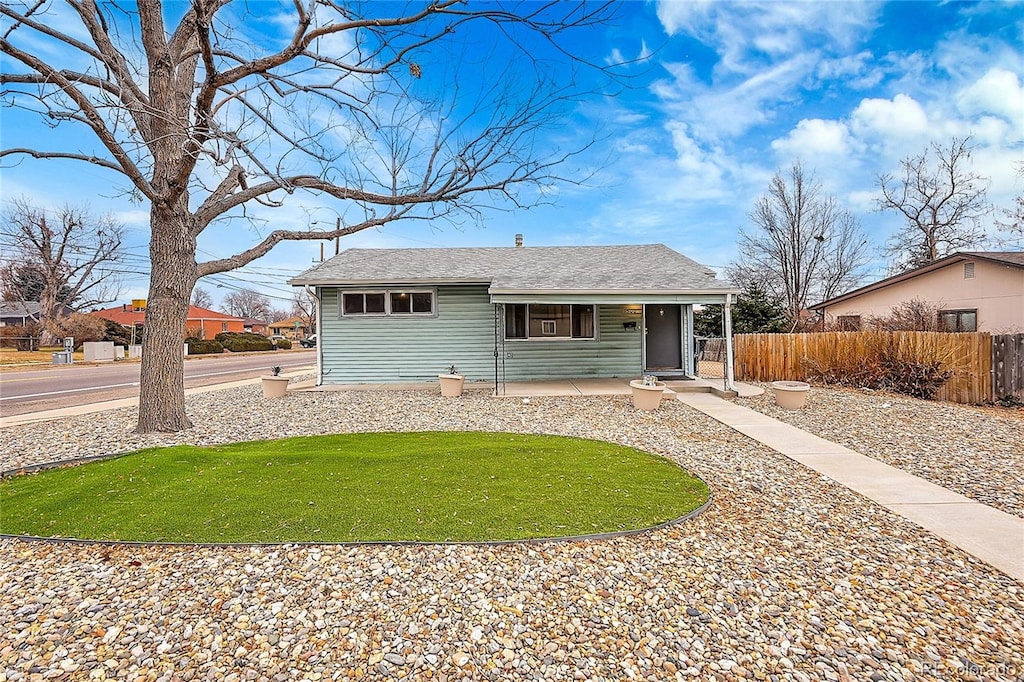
x,y
968,270
848,323
545,321
388,302
958,320
223,326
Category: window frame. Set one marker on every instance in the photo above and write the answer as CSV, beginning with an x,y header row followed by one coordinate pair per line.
x,y
959,313
387,293
526,326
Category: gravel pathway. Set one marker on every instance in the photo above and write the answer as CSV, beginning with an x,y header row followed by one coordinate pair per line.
x,y
977,452
787,576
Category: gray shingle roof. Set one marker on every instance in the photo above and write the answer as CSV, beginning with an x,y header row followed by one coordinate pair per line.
x,y
15,309
644,267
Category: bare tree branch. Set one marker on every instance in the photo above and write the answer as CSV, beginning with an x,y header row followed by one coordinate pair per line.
x,y
941,203
207,122
802,245
66,260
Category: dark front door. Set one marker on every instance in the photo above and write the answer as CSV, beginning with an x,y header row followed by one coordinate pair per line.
x,y
664,343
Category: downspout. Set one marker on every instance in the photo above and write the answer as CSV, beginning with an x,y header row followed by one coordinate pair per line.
x,y
497,313
730,384
315,293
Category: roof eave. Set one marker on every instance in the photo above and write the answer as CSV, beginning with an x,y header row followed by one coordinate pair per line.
x,y
296,282
895,279
611,292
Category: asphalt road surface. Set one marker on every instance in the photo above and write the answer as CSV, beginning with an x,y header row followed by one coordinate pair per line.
x,y
49,388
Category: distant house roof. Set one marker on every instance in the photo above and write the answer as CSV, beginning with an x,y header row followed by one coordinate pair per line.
x,y
533,269
1011,258
290,322
18,310
127,315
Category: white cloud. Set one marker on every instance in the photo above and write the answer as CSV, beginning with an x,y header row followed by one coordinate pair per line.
x,y
815,137
998,92
616,56
901,117
744,33
860,71
716,112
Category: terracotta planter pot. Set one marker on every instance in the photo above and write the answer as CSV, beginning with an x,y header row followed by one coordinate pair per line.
x,y
790,395
451,384
647,398
275,387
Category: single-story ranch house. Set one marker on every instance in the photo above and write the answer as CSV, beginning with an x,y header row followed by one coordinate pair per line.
x,y
509,314
971,291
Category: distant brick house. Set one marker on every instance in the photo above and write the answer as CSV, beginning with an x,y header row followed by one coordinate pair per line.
x,y
972,291
201,323
255,326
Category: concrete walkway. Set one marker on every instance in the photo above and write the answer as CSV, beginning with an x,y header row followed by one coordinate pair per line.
x,y
989,534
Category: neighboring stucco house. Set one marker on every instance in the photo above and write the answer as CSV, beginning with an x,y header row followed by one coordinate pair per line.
x,y
973,291
509,314
201,323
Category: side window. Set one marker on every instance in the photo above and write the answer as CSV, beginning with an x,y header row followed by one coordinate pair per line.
x,y
958,320
387,302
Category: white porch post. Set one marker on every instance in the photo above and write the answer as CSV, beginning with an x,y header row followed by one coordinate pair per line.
x,y
730,384
688,359
319,336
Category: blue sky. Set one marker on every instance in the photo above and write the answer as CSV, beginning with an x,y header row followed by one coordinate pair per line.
x,y
722,94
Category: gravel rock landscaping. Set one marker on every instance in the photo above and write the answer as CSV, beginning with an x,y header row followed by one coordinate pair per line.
x,y
787,576
977,452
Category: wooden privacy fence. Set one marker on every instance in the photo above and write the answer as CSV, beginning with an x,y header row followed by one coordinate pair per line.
x,y
1008,366
979,362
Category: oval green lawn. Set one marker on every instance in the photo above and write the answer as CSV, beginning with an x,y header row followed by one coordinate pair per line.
x,y
443,486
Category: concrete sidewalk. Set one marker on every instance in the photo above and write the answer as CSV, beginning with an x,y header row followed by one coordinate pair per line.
x,y
50,415
989,534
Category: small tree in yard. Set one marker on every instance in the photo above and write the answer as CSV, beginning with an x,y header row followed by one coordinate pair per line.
x,y
941,202
206,114
755,312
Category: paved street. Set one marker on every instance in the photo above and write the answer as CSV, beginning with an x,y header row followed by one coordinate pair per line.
x,y
65,386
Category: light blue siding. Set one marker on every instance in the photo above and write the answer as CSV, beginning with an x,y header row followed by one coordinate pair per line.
x,y
400,348
411,348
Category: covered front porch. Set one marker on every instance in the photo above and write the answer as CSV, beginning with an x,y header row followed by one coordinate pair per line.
x,y
606,339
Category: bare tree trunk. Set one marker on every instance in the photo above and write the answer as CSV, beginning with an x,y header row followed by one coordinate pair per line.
x,y
162,394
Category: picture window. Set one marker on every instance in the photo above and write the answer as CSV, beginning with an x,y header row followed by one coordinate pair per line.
x,y
546,321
